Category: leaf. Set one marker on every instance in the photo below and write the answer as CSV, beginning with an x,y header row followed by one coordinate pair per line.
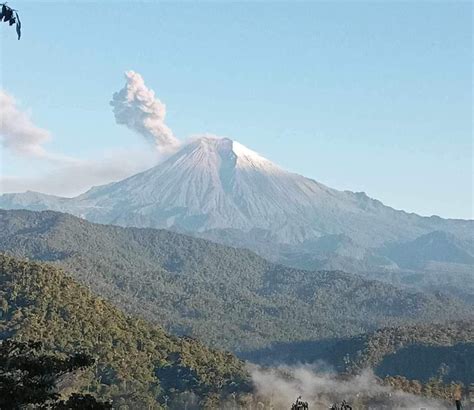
x,y
7,14
4,9
18,25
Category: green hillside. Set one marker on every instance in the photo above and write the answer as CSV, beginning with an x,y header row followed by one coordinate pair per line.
x,y
140,365
418,352
432,360
137,364
226,297
444,351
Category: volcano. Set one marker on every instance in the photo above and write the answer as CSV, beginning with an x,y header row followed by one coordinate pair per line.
x,y
218,189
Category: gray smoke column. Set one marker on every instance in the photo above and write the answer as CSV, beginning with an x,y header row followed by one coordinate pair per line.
x,y
136,106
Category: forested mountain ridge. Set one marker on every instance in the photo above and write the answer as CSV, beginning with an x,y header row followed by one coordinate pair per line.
x,y
429,354
227,297
137,364
418,352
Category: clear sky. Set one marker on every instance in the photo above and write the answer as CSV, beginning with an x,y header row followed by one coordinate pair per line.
x,y
373,97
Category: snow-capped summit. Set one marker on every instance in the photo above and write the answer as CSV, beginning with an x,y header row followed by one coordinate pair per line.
x,y
226,152
210,183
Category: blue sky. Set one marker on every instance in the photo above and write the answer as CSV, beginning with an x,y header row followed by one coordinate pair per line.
x,y
373,97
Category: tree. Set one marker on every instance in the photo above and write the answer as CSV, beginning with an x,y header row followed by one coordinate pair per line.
x,y
29,377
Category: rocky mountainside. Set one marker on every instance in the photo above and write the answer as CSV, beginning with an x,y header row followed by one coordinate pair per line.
x,y
220,190
227,297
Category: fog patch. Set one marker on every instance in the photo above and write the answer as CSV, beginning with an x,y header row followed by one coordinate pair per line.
x,y
279,387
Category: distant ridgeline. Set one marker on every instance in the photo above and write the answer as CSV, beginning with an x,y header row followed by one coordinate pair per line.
x,y
228,298
137,364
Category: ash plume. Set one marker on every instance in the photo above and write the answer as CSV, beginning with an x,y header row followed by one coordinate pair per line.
x,y
136,106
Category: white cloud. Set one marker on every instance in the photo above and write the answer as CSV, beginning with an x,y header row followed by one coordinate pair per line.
x,y
75,178
21,136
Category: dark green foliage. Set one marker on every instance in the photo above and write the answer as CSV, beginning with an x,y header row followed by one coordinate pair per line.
x,y
420,362
427,354
428,346
28,376
444,352
227,297
81,402
137,364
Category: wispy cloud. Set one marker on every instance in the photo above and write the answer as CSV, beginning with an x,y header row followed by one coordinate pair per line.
x,y
21,136
75,178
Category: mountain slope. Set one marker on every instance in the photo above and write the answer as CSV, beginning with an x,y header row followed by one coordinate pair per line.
x,y
436,246
137,364
419,352
227,297
218,189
